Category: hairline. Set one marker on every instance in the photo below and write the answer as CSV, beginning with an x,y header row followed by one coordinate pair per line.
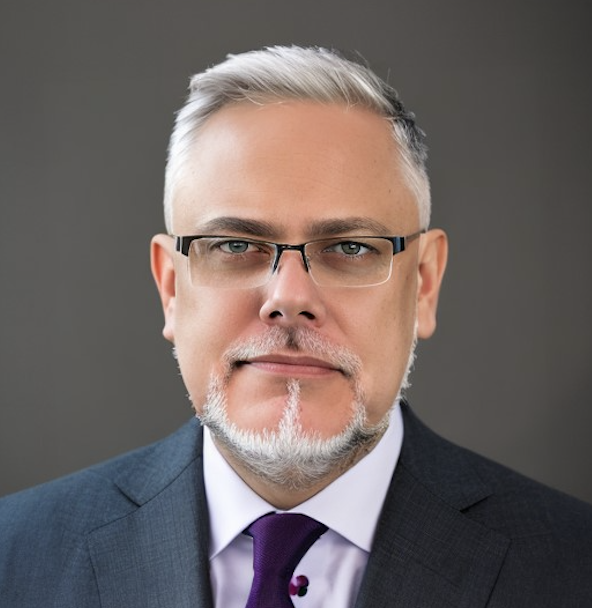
x,y
213,90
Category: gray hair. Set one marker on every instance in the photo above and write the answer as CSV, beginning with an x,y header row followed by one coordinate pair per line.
x,y
283,73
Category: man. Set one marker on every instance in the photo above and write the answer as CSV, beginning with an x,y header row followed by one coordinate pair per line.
x,y
297,273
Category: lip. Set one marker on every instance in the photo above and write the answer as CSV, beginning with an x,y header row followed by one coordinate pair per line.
x,y
291,365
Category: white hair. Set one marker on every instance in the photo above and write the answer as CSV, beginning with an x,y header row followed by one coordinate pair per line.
x,y
289,456
283,73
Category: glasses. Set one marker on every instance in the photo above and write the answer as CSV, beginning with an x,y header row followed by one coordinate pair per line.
x,y
236,262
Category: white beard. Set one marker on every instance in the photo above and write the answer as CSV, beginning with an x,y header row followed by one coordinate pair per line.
x,y
288,456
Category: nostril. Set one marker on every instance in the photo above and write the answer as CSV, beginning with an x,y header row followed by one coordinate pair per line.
x,y
305,313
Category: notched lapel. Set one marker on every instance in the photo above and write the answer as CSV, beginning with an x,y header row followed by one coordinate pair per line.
x,y
157,555
429,555
427,552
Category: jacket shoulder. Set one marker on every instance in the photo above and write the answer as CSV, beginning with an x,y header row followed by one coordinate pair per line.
x,y
548,533
44,528
101,493
486,490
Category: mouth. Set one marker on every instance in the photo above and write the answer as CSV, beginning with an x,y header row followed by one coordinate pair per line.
x,y
290,365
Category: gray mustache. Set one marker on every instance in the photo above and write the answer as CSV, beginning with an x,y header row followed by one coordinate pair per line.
x,y
297,340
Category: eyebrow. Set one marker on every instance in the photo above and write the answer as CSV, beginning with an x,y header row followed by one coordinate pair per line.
x,y
337,226
316,229
238,225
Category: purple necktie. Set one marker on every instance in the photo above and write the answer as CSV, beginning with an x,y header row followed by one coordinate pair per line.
x,y
280,541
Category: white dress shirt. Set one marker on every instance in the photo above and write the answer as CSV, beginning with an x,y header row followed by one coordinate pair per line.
x,y
335,564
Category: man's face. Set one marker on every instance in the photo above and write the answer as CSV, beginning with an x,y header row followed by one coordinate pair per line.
x,y
290,173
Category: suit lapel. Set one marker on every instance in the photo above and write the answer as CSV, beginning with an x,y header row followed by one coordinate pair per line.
x,y
158,554
427,552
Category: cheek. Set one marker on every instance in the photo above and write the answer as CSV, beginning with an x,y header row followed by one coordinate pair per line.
x,y
384,337
205,325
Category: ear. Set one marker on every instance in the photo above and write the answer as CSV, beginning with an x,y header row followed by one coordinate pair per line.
x,y
433,253
163,271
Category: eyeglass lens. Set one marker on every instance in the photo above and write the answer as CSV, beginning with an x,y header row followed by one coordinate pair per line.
x,y
228,262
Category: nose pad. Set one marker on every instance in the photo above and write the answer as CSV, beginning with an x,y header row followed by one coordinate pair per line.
x,y
280,250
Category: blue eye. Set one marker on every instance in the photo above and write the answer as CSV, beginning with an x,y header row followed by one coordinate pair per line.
x,y
350,248
234,246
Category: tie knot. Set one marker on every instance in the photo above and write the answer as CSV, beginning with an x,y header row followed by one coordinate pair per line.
x,y
280,541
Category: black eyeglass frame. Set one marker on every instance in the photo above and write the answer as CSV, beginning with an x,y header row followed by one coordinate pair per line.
x,y
399,244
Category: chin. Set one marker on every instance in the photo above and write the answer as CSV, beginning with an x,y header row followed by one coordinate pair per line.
x,y
289,455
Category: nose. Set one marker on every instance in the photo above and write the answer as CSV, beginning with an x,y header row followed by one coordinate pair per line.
x,y
291,296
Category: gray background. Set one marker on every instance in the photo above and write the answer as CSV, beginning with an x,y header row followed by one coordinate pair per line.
x,y
88,92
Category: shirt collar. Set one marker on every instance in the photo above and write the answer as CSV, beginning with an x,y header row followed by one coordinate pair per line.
x,y
359,492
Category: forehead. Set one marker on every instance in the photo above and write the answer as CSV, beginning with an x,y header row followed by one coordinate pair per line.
x,y
293,164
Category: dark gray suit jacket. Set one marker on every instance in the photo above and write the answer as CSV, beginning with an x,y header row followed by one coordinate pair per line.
x,y
456,531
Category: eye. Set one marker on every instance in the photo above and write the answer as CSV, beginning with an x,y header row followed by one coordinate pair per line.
x,y
236,247
350,248
242,250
